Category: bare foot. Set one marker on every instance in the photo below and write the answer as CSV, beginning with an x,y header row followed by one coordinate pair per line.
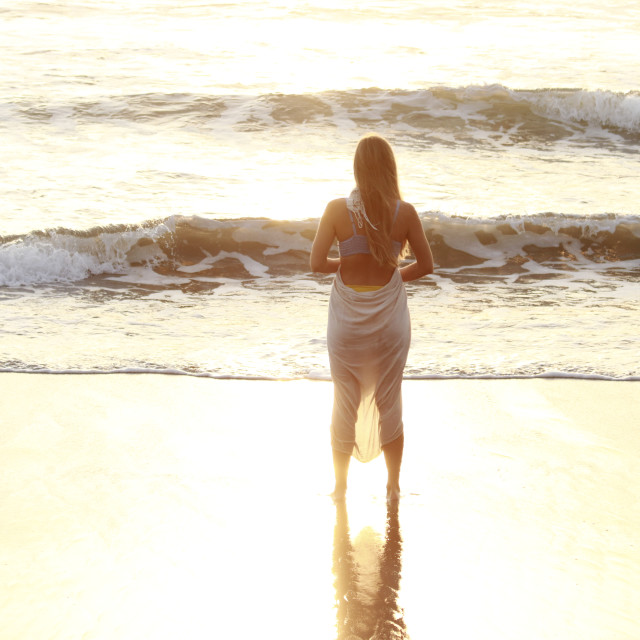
x,y
393,493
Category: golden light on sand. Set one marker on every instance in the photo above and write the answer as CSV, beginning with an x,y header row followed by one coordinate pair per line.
x,y
158,517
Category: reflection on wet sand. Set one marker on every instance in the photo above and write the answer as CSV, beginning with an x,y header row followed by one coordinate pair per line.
x,y
367,580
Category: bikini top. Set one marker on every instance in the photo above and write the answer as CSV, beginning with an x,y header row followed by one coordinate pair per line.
x,y
358,243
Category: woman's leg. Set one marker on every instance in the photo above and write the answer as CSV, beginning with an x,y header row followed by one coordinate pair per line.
x,y
393,457
346,398
341,468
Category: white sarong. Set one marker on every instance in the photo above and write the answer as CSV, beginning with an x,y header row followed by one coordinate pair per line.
x,y
368,338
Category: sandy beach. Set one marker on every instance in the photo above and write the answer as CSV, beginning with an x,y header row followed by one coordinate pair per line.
x,y
153,506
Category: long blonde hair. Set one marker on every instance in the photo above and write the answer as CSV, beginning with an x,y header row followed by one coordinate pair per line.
x,y
376,174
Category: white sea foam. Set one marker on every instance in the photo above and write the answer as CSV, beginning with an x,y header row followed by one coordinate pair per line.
x,y
70,257
602,108
146,276
37,262
254,268
321,375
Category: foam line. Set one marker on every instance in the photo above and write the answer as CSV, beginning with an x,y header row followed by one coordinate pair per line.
x,y
552,375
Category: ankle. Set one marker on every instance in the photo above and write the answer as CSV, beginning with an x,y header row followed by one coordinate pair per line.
x,y
339,493
393,492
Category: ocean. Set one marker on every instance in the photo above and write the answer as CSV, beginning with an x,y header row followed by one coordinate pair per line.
x,y
166,164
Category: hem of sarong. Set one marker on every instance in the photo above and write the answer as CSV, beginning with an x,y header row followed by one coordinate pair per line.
x,y
343,447
395,437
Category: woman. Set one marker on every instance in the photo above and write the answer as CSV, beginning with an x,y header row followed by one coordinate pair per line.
x,y
369,329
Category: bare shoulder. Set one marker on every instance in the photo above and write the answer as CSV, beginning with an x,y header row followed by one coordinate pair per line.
x,y
336,207
407,209
407,216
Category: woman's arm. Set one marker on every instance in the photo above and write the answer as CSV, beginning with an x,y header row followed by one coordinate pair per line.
x,y
319,260
421,250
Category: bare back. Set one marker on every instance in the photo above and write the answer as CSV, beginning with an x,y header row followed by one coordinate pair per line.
x,y
362,268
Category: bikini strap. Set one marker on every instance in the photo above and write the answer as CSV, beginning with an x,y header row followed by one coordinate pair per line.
x,y
353,224
395,215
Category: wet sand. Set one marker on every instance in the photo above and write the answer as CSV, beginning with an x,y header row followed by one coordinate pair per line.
x,y
151,506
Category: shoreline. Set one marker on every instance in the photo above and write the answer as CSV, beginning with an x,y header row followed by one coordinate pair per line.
x,y
552,375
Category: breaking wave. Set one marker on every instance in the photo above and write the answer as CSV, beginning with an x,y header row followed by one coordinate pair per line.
x,y
180,250
491,112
